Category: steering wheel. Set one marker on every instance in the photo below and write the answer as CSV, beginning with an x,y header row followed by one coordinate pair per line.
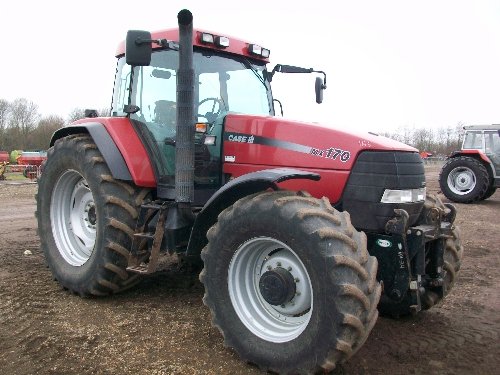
x,y
212,115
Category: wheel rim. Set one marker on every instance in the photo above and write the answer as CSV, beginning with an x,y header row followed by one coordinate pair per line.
x,y
274,323
461,180
73,217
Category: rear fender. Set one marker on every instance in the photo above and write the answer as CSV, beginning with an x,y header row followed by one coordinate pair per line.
x,y
119,145
478,154
104,143
231,192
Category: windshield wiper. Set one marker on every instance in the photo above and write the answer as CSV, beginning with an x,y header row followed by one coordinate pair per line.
x,y
246,63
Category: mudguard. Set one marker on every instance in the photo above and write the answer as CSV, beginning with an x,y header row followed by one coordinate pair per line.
x,y
104,143
234,190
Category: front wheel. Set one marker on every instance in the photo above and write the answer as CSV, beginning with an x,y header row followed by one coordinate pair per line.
x,y
86,219
289,282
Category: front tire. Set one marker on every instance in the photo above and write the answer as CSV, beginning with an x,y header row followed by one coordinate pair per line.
x,y
86,219
464,180
289,282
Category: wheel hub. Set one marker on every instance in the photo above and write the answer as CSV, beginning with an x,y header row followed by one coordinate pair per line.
x,y
461,180
277,286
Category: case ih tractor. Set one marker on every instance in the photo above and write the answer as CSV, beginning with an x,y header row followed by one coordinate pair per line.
x,y
473,173
301,230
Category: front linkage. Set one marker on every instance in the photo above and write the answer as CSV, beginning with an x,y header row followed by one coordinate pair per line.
x,y
411,260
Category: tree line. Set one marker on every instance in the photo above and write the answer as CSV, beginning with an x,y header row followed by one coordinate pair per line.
x,y
438,141
23,128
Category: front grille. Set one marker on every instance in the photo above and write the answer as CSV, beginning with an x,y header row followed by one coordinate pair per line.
x,y
373,172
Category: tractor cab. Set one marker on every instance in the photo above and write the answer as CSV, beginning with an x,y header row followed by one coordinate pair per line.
x,y
485,139
219,78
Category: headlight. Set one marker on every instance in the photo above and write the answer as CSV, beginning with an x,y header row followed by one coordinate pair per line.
x,y
403,196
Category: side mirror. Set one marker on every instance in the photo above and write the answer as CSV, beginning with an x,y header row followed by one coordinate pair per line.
x,y
319,86
138,48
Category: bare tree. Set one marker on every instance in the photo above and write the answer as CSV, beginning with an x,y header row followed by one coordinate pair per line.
x,y
23,119
40,137
4,113
76,114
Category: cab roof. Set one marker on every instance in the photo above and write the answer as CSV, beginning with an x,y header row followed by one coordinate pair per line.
x,y
482,127
236,46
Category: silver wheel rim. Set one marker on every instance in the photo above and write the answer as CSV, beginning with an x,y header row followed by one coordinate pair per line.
x,y
73,218
461,180
275,324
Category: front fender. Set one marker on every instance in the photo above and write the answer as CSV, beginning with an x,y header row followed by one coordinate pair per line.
x,y
234,190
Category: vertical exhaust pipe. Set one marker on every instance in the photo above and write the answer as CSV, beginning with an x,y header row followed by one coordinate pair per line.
x,y
184,152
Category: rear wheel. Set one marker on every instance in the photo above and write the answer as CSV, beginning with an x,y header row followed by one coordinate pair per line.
x,y
86,219
464,179
491,190
289,282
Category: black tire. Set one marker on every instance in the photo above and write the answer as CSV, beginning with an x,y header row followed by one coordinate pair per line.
x,y
88,256
464,180
318,240
453,253
491,190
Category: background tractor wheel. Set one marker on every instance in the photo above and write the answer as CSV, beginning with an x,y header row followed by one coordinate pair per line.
x,y
464,180
289,282
86,219
491,190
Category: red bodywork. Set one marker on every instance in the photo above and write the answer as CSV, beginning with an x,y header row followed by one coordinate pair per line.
x,y
326,151
471,152
130,146
31,159
4,156
253,143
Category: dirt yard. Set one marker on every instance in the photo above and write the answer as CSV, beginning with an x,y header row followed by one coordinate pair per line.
x,y
162,326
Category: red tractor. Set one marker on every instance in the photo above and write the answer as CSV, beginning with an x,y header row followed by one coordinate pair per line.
x,y
473,173
302,230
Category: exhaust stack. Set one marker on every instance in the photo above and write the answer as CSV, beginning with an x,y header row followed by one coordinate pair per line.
x,y
184,153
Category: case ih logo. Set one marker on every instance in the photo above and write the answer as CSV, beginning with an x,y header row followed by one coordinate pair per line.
x,y
332,153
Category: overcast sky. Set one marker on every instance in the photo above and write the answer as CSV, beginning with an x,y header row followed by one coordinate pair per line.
x,y
426,63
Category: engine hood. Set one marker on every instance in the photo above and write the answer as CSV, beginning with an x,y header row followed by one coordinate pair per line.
x,y
275,141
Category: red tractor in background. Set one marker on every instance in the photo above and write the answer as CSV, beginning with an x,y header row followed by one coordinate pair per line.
x,y
302,230
473,173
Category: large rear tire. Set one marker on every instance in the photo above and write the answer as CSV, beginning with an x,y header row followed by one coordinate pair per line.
x,y
491,190
464,180
289,282
86,219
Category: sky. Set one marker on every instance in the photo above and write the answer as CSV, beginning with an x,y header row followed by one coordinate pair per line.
x,y
389,64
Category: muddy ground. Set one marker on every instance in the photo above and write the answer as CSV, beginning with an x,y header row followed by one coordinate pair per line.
x,y
162,326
